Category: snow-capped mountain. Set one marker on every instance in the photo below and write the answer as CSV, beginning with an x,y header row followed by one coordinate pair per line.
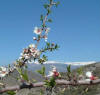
x,y
61,66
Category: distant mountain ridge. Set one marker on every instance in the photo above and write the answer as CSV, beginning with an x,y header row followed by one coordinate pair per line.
x,y
61,66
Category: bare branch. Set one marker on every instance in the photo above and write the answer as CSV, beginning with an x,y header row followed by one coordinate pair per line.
x,y
41,84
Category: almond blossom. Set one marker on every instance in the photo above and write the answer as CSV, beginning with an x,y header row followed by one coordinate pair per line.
x,y
37,30
45,38
88,74
53,73
2,75
30,53
91,76
47,30
3,72
31,46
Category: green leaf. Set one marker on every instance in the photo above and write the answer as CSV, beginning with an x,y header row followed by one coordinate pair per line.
x,y
0,69
46,83
19,71
11,93
49,11
9,66
56,46
25,75
48,44
44,58
41,92
80,70
57,4
86,90
50,1
41,18
34,80
49,20
42,71
69,69
51,49
46,6
39,36
39,71
50,83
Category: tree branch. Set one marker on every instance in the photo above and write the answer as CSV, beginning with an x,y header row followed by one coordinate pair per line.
x,y
41,84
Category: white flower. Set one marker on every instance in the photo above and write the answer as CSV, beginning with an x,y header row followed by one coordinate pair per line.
x,y
37,53
32,50
37,31
31,46
89,74
3,72
54,70
50,74
53,73
47,30
2,75
27,57
4,69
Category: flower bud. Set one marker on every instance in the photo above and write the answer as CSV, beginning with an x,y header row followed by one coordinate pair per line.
x,y
34,38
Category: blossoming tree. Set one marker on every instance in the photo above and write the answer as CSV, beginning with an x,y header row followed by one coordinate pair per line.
x,y
33,54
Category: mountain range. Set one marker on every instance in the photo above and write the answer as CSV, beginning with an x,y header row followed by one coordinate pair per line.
x,y
61,66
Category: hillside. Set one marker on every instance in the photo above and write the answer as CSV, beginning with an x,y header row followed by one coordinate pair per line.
x,y
11,80
77,90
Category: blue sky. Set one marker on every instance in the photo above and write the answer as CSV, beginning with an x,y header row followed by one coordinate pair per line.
x,y
75,27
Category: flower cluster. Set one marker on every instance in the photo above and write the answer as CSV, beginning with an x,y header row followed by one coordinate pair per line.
x,y
38,31
90,75
30,53
5,71
53,73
